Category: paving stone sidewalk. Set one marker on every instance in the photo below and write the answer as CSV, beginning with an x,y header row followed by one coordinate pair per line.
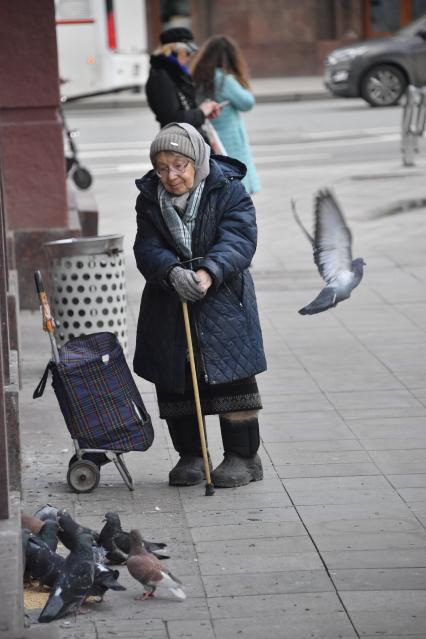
x,y
332,544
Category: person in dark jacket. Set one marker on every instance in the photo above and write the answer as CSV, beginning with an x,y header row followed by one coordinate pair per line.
x,y
170,90
195,241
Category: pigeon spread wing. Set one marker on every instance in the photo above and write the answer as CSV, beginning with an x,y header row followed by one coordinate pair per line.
x,y
332,239
332,247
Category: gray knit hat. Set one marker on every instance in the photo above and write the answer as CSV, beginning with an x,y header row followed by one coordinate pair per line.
x,y
172,138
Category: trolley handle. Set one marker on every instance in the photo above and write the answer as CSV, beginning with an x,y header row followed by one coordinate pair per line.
x,y
48,321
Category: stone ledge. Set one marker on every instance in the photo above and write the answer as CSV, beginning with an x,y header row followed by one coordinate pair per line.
x,y
12,420
12,608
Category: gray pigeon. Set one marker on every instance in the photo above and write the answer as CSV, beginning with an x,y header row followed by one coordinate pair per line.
x,y
150,572
332,245
47,512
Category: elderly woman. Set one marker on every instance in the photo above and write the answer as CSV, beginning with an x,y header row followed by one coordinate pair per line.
x,y
195,241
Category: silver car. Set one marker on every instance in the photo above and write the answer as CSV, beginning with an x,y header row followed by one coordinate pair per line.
x,y
379,70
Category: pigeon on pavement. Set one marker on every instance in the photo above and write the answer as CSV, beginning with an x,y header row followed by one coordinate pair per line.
x,y
49,534
110,537
41,562
105,579
149,571
116,541
68,528
332,246
74,581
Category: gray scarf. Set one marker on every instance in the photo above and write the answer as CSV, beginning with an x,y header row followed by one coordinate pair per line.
x,y
180,212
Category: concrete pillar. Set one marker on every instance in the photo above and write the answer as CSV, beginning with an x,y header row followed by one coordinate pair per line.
x,y
30,130
31,143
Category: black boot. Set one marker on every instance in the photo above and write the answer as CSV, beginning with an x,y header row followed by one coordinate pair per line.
x,y
184,434
241,463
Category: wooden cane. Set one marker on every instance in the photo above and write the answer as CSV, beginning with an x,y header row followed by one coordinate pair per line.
x,y
209,485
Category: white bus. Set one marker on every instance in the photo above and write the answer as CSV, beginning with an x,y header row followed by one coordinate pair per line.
x,y
102,44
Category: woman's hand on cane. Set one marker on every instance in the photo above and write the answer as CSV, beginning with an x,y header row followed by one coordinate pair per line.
x,y
186,284
190,286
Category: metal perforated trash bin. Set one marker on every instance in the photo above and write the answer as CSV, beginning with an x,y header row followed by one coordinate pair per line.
x,y
87,287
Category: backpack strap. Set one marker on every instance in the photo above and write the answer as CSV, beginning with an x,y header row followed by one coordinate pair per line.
x,y
38,392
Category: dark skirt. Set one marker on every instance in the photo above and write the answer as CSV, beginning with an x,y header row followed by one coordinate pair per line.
x,y
215,399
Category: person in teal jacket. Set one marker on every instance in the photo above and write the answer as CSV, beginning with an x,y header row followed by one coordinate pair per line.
x,y
220,73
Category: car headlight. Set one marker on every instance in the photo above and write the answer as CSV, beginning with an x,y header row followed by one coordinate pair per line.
x,y
345,55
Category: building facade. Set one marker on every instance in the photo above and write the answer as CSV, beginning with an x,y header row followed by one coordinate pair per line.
x,y
284,37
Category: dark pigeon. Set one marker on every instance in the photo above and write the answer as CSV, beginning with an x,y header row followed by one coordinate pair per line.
x,y
150,572
109,536
74,581
332,245
68,528
46,530
49,534
105,579
41,562
116,541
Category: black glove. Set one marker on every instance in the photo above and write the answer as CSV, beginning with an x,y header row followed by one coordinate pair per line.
x,y
186,284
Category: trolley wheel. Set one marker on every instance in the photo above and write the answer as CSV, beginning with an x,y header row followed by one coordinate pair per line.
x,y
82,177
83,476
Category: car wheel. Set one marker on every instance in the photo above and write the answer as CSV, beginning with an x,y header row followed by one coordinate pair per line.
x,y
383,85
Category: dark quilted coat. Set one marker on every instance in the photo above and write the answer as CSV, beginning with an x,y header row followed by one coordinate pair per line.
x,y
225,322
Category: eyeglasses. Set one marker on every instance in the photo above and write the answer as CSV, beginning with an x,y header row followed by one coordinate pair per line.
x,y
179,168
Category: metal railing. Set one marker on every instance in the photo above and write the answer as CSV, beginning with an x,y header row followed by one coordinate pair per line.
x,y
413,123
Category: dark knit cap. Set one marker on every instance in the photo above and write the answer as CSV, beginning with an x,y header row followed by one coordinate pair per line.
x,y
172,138
179,34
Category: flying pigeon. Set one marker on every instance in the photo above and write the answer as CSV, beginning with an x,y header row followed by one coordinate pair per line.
x,y
149,571
332,245
74,581
116,541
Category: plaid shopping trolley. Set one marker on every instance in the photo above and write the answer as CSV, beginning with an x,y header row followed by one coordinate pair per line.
x,y
102,407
